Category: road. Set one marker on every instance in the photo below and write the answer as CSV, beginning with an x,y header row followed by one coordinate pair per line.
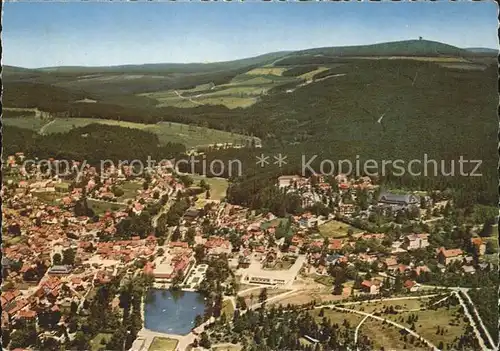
x,y
378,300
490,340
411,332
165,208
189,99
42,130
356,332
472,322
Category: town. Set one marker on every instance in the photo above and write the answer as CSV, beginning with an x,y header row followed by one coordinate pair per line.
x,y
86,259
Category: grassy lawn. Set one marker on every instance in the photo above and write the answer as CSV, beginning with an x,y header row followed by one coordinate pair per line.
x,y
27,122
324,279
243,90
277,71
336,229
100,207
218,188
228,101
256,293
275,222
429,320
129,190
50,198
228,309
399,305
311,74
163,344
12,240
384,335
95,343
190,136
337,317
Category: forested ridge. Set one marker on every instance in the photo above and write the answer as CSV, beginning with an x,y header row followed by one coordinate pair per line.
x,y
428,109
92,143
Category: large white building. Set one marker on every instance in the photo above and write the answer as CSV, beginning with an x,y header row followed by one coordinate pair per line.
x,y
254,274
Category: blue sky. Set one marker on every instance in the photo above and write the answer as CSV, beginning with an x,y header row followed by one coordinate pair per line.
x,y
98,34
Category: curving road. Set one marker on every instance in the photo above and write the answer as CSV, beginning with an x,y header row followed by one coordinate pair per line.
x,y
492,343
356,332
472,322
418,336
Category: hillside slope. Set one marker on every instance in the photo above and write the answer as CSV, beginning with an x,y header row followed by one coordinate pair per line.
x,y
397,48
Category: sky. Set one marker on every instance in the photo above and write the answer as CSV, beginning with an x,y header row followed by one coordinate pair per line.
x,y
102,34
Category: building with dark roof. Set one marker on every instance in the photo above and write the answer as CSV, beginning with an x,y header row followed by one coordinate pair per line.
x,y
397,201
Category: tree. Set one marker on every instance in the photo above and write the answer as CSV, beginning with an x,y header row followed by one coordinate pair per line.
x,y
357,282
398,284
205,341
199,253
117,191
176,235
241,303
23,337
198,320
56,259
69,256
160,252
263,295
117,341
491,247
186,180
207,194
190,234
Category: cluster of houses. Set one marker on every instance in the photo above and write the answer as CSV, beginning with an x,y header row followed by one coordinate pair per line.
x,y
53,257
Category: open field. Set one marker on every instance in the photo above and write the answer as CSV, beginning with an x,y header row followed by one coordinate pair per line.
x,y
229,101
95,343
228,309
129,190
398,305
190,136
277,71
50,198
337,317
27,122
384,336
100,207
12,240
429,320
326,280
218,188
252,297
336,229
242,91
310,75
163,344
322,295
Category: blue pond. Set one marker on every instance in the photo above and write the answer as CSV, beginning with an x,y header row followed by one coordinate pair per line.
x,y
172,312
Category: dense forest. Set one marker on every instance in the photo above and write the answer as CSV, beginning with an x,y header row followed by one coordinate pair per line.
x,y
426,110
93,143
280,329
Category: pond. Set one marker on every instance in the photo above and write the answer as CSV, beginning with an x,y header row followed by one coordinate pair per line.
x,y
172,312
